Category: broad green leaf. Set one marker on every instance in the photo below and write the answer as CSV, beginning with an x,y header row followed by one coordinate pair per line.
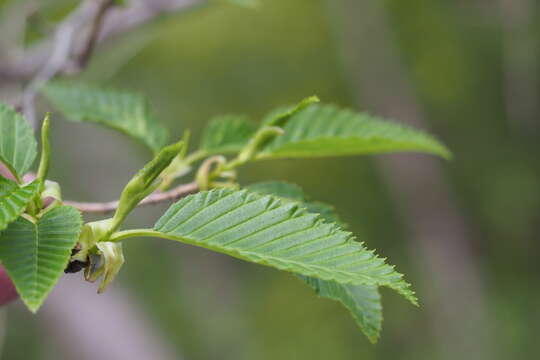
x,y
326,130
123,111
263,230
363,301
292,192
227,134
36,254
18,147
14,199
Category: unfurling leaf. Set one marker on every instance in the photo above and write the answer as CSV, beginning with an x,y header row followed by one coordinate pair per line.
x,y
124,111
326,130
263,230
18,147
36,254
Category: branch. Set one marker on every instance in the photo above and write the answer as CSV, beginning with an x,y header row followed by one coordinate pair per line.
x,y
155,198
62,49
118,20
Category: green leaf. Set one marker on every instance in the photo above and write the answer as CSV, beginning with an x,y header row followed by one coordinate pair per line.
x,y
326,130
18,147
227,134
14,199
263,230
363,301
36,254
123,111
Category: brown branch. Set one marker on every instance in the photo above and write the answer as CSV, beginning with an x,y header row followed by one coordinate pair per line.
x,y
155,198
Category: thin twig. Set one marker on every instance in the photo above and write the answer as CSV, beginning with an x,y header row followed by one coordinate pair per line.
x,y
155,198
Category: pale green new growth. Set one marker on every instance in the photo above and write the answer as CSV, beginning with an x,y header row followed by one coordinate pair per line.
x,y
120,110
263,230
363,301
18,148
36,254
326,130
14,199
227,134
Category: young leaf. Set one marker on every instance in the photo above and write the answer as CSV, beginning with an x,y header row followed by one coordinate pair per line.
x,y
36,254
227,134
18,147
123,111
363,301
14,199
262,230
326,130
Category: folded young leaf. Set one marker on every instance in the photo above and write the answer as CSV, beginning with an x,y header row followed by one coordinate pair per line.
x,y
18,147
326,130
263,230
123,111
227,134
363,301
36,254
14,199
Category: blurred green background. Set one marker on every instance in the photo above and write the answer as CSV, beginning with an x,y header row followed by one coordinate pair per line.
x,y
468,67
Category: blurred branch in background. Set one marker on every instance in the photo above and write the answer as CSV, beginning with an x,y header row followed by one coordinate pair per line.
x,y
69,49
437,229
520,64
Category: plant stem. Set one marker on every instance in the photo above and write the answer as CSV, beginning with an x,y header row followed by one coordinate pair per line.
x,y
122,235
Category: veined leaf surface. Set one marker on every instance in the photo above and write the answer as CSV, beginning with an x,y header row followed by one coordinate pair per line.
x,y
36,254
363,301
123,111
14,199
227,134
326,130
263,230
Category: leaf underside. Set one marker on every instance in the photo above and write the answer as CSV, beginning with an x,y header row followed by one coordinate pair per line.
x,y
35,255
18,147
123,111
263,230
363,301
227,134
326,130
14,199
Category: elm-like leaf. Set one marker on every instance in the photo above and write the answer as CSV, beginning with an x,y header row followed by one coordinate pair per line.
x,y
124,111
263,230
363,301
36,254
326,130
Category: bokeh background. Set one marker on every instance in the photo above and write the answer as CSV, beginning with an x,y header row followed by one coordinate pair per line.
x,y
466,232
